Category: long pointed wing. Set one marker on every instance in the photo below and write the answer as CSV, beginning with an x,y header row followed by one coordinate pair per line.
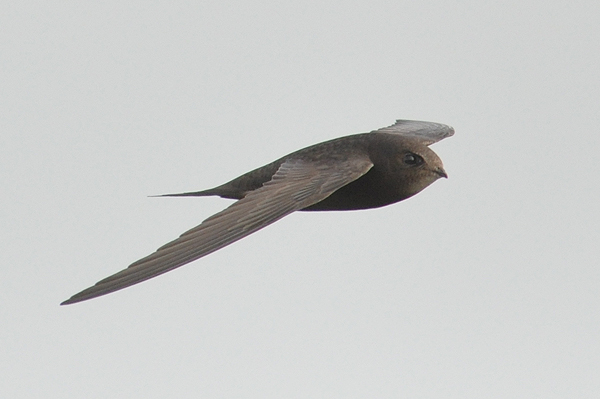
x,y
427,132
296,185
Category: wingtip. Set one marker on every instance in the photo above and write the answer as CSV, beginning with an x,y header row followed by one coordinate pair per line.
x,y
427,132
88,293
75,299
67,302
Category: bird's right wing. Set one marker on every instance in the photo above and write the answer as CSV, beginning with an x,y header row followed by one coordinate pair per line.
x,y
427,132
297,184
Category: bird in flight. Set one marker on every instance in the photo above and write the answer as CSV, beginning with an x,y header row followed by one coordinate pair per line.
x,y
360,171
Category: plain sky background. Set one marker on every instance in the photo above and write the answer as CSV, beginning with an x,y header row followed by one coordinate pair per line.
x,y
485,285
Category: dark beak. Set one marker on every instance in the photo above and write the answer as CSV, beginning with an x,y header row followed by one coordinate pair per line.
x,y
441,172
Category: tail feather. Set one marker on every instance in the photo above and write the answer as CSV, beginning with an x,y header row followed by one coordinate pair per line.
x,y
203,193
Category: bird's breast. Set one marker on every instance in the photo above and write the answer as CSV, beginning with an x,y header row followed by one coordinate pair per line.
x,y
372,190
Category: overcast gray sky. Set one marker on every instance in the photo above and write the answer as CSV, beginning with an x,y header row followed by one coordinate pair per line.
x,y
484,285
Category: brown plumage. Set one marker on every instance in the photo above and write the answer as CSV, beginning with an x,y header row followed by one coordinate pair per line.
x,y
360,171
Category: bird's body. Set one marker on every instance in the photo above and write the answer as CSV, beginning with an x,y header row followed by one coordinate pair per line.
x,y
378,187
360,171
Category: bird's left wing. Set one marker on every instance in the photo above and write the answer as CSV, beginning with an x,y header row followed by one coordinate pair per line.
x,y
297,184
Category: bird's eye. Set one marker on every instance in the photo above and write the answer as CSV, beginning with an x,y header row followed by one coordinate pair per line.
x,y
413,159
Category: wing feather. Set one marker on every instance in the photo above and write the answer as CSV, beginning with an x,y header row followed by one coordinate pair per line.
x,y
427,132
297,184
